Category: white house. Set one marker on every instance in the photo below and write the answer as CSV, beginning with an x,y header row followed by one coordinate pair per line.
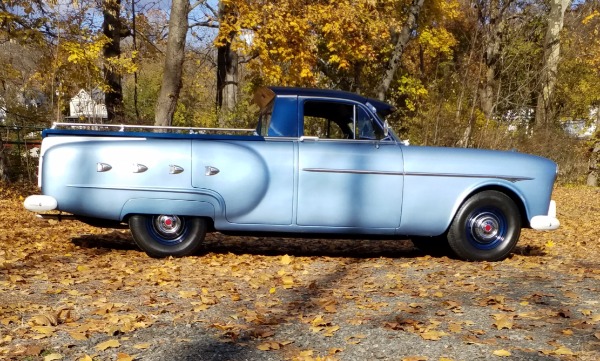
x,y
88,106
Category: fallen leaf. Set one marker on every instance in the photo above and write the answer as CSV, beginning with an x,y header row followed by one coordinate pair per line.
x,y
33,350
329,331
142,346
503,321
79,336
43,331
288,281
454,327
268,346
563,351
433,335
53,356
46,319
124,357
107,344
334,350
502,353
285,259
188,294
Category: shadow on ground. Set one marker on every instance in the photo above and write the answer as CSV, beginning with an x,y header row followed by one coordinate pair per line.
x,y
274,246
269,246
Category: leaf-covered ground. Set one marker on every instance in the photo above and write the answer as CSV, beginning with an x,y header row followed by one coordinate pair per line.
x,y
72,292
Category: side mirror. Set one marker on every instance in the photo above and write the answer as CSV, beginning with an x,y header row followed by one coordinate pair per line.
x,y
386,128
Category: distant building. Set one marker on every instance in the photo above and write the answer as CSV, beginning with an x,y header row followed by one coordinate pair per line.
x,y
580,128
88,107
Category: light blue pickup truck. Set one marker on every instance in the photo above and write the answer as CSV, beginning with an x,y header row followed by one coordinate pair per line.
x,y
319,162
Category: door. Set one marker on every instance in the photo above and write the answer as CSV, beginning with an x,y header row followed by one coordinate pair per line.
x,y
347,176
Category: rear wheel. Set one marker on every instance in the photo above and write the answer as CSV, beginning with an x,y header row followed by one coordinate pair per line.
x,y
167,235
485,228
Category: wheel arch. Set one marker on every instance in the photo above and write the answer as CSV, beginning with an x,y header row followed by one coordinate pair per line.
x,y
509,192
204,209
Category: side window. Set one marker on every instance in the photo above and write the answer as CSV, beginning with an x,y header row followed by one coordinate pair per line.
x,y
329,120
366,127
264,120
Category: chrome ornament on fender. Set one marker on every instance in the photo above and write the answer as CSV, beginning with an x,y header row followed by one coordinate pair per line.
x,y
211,170
175,169
139,168
103,167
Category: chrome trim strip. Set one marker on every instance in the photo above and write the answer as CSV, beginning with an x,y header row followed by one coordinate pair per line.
x,y
351,171
122,127
509,178
512,179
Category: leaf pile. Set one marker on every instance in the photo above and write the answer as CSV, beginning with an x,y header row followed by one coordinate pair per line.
x,y
69,291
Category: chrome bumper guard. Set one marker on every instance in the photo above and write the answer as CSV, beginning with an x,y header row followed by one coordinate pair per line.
x,y
548,222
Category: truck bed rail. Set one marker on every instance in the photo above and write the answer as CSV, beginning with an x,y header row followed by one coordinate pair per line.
x,y
129,128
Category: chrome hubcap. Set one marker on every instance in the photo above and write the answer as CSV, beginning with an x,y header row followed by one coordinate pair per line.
x,y
485,228
169,227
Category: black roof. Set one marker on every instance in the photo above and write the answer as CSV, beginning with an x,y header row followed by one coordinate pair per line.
x,y
382,107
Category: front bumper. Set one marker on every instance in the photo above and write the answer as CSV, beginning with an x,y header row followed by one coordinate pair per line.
x,y
548,222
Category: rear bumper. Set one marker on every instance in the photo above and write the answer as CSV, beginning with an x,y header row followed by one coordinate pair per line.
x,y
40,203
547,222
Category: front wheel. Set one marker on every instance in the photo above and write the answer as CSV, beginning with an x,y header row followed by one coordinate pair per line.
x,y
167,235
485,228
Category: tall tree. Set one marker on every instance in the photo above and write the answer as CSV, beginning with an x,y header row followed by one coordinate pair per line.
x,y
401,40
545,109
114,29
492,16
227,60
173,69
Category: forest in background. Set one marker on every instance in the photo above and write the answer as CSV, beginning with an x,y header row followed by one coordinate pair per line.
x,y
500,74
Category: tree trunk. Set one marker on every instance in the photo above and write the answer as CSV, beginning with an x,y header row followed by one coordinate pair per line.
x,y
113,29
594,167
491,16
174,57
3,164
409,27
545,110
227,64
227,77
